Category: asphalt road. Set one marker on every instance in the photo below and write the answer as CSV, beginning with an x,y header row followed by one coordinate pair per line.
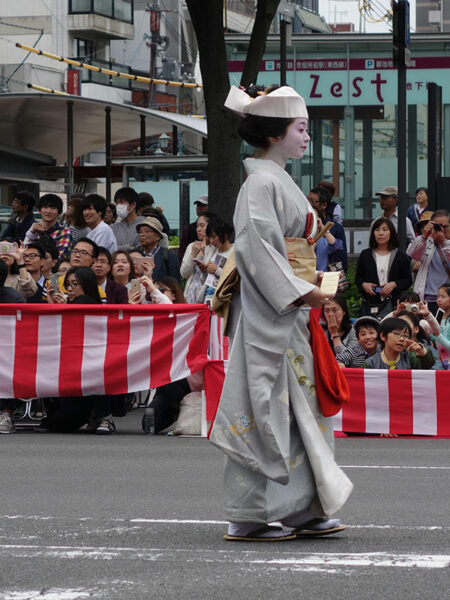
x,y
138,517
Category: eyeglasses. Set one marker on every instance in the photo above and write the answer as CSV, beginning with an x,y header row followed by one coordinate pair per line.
x,y
71,286
76,252
31,256
400,336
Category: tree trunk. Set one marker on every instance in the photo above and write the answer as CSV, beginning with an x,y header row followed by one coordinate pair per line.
x,y
223,141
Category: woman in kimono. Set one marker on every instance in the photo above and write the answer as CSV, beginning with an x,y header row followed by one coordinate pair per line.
x,y
279,447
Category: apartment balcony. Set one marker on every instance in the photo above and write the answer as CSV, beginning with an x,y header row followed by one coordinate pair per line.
x,y
101,78
112,19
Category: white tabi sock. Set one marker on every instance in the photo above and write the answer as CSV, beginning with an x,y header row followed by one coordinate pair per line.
x,y
243,529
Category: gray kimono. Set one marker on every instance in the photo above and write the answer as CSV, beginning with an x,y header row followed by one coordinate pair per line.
x,y
279,448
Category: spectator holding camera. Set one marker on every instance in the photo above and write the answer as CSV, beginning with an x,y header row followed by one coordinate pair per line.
x,y
383,270
18,278
432,249
50,207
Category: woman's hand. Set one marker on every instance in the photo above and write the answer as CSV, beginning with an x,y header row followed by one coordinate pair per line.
x,y
55,298
147,282
18,253
134,298
315,298
211,267
197,248
333,325
412,346
148,265
368,288
388,288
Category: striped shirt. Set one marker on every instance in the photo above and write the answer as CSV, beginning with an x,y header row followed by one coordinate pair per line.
x,y
353,357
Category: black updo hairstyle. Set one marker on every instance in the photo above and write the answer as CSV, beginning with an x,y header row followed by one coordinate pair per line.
x,y
256,130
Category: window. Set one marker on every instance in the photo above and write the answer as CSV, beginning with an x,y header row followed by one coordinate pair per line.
x,y
122,10
83,48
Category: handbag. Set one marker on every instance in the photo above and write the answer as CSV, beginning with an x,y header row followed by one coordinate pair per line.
x,y
331,385
377,309
343,281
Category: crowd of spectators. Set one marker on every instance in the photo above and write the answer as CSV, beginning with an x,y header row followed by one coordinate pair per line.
x,y
118,253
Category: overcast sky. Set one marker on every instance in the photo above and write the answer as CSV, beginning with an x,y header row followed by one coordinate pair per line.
x,y
347,11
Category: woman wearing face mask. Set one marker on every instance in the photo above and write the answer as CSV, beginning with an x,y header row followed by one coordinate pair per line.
x,y
269,423
195,260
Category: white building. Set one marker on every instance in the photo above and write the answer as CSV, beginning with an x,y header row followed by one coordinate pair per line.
x,y
69,28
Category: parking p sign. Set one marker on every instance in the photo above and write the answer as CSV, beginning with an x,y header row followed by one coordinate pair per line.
x,y
370,63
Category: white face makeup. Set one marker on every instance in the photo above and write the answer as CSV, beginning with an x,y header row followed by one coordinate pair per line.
x,y
292,144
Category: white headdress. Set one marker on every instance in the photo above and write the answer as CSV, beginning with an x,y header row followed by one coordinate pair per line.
x,y
284,102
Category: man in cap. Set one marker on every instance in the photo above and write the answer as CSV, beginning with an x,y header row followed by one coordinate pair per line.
x,y
388,202
150,234
189,233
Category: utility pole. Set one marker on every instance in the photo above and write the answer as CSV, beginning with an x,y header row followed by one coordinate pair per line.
x,y
402,60
155,23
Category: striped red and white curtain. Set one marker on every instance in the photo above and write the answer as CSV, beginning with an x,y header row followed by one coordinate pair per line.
x,y
54,350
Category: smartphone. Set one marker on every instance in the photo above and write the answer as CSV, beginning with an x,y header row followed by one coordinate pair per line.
x,y
439,314
377,290
198,262
54,282
7,247
135,286
139,260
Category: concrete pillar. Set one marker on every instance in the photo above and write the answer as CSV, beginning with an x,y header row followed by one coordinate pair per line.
x,y
349,167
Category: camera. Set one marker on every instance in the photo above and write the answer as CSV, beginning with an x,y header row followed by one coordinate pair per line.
x,y
7,248
412,307
437,227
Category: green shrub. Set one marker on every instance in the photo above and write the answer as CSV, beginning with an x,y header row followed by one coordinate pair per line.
x,y
353,295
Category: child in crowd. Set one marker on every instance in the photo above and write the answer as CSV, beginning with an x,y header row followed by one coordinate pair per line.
x,y
418,334
366,329
443,336
399,351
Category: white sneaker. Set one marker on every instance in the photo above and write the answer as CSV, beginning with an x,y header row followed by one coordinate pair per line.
x,y
105,426
6,423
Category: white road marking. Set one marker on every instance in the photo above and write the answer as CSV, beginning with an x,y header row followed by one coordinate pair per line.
x,y
243,557
370,559
55,594
145,520
391,467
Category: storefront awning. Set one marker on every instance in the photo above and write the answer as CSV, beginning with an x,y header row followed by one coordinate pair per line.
x,y
38,123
